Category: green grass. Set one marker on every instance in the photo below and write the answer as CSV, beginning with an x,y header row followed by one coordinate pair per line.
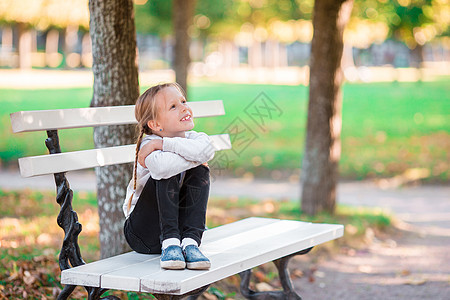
x,y
387,128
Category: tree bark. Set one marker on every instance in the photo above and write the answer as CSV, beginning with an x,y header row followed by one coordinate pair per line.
x,y
70,43
183,14
417,55
51,48
115,70
7,39
24,46
322,147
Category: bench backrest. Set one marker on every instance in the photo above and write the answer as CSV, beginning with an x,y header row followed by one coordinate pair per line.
x,y
25,121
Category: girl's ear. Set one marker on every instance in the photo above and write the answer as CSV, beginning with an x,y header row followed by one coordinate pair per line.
x,y
154,125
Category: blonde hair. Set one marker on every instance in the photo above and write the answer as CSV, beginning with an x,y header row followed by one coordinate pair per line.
x,y
144,111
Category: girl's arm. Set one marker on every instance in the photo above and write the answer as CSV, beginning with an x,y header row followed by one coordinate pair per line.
x,y
163,164
177,155
196,146
147,148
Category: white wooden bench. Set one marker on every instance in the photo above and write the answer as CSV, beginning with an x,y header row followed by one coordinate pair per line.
x,y
233,248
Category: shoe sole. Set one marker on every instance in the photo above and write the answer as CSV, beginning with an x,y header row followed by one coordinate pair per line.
x,y
199,265
173,265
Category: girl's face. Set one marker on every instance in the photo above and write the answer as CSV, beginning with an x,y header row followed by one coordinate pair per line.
x,y
174,116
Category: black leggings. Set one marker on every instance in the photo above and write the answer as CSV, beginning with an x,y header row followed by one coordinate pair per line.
x,y
169,208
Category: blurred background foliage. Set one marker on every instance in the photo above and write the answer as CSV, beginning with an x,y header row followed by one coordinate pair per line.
x,y
59,26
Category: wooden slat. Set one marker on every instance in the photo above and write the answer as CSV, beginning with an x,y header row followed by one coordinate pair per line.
x,y
235,248
85,159
220,232
91,273
24,121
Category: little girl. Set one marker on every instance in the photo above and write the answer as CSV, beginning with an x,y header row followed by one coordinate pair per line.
x,y
166,200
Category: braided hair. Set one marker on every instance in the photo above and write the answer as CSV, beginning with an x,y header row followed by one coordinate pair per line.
x,y
146,110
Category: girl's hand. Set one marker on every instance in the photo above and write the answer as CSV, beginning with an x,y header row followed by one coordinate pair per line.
x,y
148,148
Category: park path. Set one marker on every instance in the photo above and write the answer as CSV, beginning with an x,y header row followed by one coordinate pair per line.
x,y
411,264
427,206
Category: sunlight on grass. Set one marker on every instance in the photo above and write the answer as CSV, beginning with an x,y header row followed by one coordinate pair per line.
x,y
387,127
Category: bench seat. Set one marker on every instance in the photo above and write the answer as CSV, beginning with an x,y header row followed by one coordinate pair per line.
x,y
232,248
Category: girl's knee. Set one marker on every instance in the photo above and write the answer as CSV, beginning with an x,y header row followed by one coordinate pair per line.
x,y
198,176
171,183
200,171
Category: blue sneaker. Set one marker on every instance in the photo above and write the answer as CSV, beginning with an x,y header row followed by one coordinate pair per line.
x,y
195,260
172,258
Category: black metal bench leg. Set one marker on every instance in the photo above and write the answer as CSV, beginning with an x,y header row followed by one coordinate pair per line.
x,y
95,293
288,293
65,293
197,293
68,220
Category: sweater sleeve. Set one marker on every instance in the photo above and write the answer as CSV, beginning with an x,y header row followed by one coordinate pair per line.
x,y
163,164
197,146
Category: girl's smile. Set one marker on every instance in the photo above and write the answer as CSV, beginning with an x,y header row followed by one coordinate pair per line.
x,y
186,118
174,116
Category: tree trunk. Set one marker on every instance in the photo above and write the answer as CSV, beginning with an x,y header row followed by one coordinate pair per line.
x,y
322,148
283,57
24,46
113,36
70,43
7,39
183,14
417,55
255,54
86,51
51,48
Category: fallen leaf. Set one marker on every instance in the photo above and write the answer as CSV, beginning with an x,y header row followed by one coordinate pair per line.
x,y
264,287
365,269
296,274
29,279
260,276
416,281
56,291
320,274
209,296
310,273
405,272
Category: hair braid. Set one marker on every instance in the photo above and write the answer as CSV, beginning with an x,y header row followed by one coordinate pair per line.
x,y
146,110
138,146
